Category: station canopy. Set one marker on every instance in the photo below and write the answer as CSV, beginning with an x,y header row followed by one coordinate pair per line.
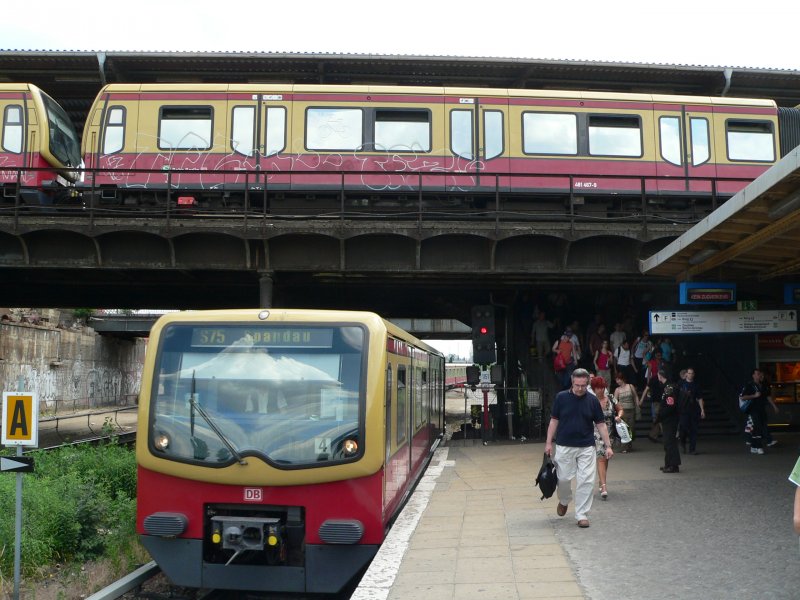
x,y
754,236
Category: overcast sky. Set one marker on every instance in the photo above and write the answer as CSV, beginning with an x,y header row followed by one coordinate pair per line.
x,y
698,32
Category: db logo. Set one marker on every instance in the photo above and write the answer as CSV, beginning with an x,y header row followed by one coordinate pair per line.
x,y
253,494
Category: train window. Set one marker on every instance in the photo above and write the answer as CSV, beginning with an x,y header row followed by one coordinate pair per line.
x,y
63,139
701,145
334,128
419,381
185,127
402,405
549,133
750,140
461,134
400,130
276,130
670,129
492,134
243,130
615,135
114,131
12,129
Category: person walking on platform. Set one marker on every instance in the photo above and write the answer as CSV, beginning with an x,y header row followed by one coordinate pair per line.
x,y
692,409
755,391
668,414
540,335
565,349
625,394
612,412
574,415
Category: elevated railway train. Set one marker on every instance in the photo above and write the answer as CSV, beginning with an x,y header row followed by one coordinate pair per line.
x,y
218,145
39,147
276,447
303,148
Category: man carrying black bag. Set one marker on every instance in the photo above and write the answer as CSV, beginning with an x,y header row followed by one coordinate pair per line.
x,y
547,479
573,418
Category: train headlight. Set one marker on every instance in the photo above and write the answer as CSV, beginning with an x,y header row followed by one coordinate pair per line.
x,y
350,447
161,442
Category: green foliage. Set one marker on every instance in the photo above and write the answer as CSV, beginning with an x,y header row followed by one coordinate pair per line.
x,y
79,504
82,313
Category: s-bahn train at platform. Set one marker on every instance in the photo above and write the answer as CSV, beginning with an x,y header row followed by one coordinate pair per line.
x,y
310,147
276,447
39,148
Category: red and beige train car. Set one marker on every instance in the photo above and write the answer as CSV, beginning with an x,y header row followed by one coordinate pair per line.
x,y
208,142
39,148
276,447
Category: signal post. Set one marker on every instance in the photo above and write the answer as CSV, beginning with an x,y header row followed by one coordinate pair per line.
x,y
484,354
20,428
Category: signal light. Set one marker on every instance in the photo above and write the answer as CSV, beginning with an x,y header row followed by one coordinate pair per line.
x,y
483,351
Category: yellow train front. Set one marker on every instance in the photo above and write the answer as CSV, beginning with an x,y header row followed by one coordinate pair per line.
x,y
276,446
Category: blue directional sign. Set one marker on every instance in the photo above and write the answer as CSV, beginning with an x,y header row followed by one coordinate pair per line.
x,y
16,464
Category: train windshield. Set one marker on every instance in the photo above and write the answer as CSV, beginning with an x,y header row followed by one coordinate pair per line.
x,y
64,144
290,393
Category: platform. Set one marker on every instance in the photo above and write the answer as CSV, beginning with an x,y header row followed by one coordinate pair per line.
x,y
476,528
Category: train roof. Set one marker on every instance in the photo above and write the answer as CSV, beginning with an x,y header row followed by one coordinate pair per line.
x,y
275,88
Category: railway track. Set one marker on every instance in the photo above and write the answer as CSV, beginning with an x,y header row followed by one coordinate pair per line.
x,y
148,582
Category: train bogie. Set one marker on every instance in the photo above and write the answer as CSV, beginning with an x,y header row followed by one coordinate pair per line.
x,y
276,447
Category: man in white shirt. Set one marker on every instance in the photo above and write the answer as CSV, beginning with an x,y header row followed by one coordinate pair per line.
x,y
617,337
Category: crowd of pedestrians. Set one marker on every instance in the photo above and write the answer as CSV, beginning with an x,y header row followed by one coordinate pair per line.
x,y
605,379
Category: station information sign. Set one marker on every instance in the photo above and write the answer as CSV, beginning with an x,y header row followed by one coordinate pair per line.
x,y
677,322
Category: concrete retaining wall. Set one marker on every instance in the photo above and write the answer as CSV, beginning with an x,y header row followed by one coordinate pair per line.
x,y
70,368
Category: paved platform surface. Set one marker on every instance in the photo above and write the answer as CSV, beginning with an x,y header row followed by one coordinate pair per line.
x,y
476,528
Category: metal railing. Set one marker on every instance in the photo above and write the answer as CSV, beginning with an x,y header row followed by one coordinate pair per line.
x,y
420,196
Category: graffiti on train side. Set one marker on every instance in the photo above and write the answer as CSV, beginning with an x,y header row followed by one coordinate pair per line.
x,y
394,169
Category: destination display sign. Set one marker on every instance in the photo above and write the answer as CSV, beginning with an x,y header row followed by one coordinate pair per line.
x,y
707,293
671,322
263,337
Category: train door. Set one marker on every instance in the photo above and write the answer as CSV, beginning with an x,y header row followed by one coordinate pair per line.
x,y
259,133
686,151
13,138
478,142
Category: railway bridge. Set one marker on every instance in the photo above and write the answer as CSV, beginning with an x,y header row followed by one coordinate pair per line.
x,y
576,254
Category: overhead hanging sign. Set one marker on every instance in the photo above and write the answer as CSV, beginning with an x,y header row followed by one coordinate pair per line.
x,y
692,292
672,322
791,293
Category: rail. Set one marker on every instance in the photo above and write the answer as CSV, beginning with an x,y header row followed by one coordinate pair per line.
x,y
70,426
420,196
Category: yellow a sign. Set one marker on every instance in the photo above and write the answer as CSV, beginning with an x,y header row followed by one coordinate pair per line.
x,y
20,419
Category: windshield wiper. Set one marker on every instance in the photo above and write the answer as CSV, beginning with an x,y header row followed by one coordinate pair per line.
x,y
195,406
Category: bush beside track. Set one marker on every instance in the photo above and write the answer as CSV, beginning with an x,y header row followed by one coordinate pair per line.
x,y
79,505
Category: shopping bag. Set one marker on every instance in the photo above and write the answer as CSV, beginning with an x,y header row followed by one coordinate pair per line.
x,y
624,432
744,405
559,363
547,479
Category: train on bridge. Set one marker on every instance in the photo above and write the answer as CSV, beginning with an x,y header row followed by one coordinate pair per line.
x,y
276,447
307,149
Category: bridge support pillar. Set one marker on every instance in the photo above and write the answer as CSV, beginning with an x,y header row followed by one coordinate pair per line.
x,y
265,291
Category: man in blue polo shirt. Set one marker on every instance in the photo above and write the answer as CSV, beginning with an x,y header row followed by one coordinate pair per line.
x,y
574,415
